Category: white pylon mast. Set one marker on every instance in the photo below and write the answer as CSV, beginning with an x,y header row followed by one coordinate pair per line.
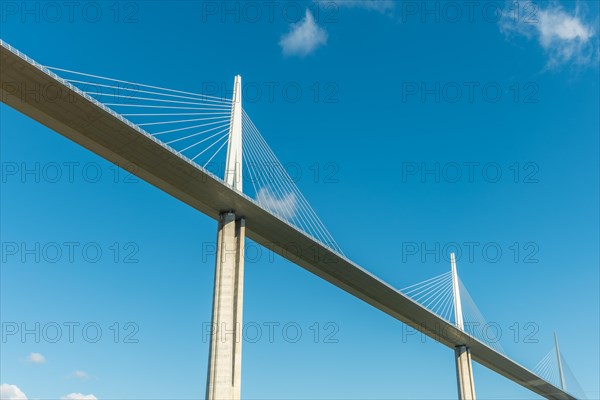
x,y
458,316
233,164
464,365
225,355
560,368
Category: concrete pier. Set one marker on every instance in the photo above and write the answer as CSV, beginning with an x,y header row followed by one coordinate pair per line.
x,y
225,358
464,373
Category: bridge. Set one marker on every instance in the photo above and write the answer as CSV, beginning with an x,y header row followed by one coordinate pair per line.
x,y
177,140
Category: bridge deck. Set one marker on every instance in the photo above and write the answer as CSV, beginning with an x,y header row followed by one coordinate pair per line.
x,y
103,132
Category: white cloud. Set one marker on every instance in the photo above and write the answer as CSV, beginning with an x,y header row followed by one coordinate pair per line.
x,y
382,6
11,392
566,38
304,37
79,396
36,358
284,207
80,375
558,25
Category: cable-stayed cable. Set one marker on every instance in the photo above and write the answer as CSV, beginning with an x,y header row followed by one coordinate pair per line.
x,y
275,190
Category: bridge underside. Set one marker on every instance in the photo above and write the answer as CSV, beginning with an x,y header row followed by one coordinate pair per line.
x,y
94,127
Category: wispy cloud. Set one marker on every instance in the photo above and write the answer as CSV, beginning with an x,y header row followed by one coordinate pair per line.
x,y
79,396
284,206
36,358
303,38
11,392
80,375
565,37
382,6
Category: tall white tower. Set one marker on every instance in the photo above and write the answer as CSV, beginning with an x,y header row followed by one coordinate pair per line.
x,y
462,353
458,317
233,164
563,384
225,357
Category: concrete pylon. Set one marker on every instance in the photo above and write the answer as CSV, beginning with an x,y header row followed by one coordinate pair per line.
x,y
225,357
233,164
464,365
464,373
563,383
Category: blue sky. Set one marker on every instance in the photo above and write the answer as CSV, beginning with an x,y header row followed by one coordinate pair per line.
x,y
389,91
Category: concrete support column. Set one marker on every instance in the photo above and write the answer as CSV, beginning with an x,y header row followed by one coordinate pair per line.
x,y
464,373
225,358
